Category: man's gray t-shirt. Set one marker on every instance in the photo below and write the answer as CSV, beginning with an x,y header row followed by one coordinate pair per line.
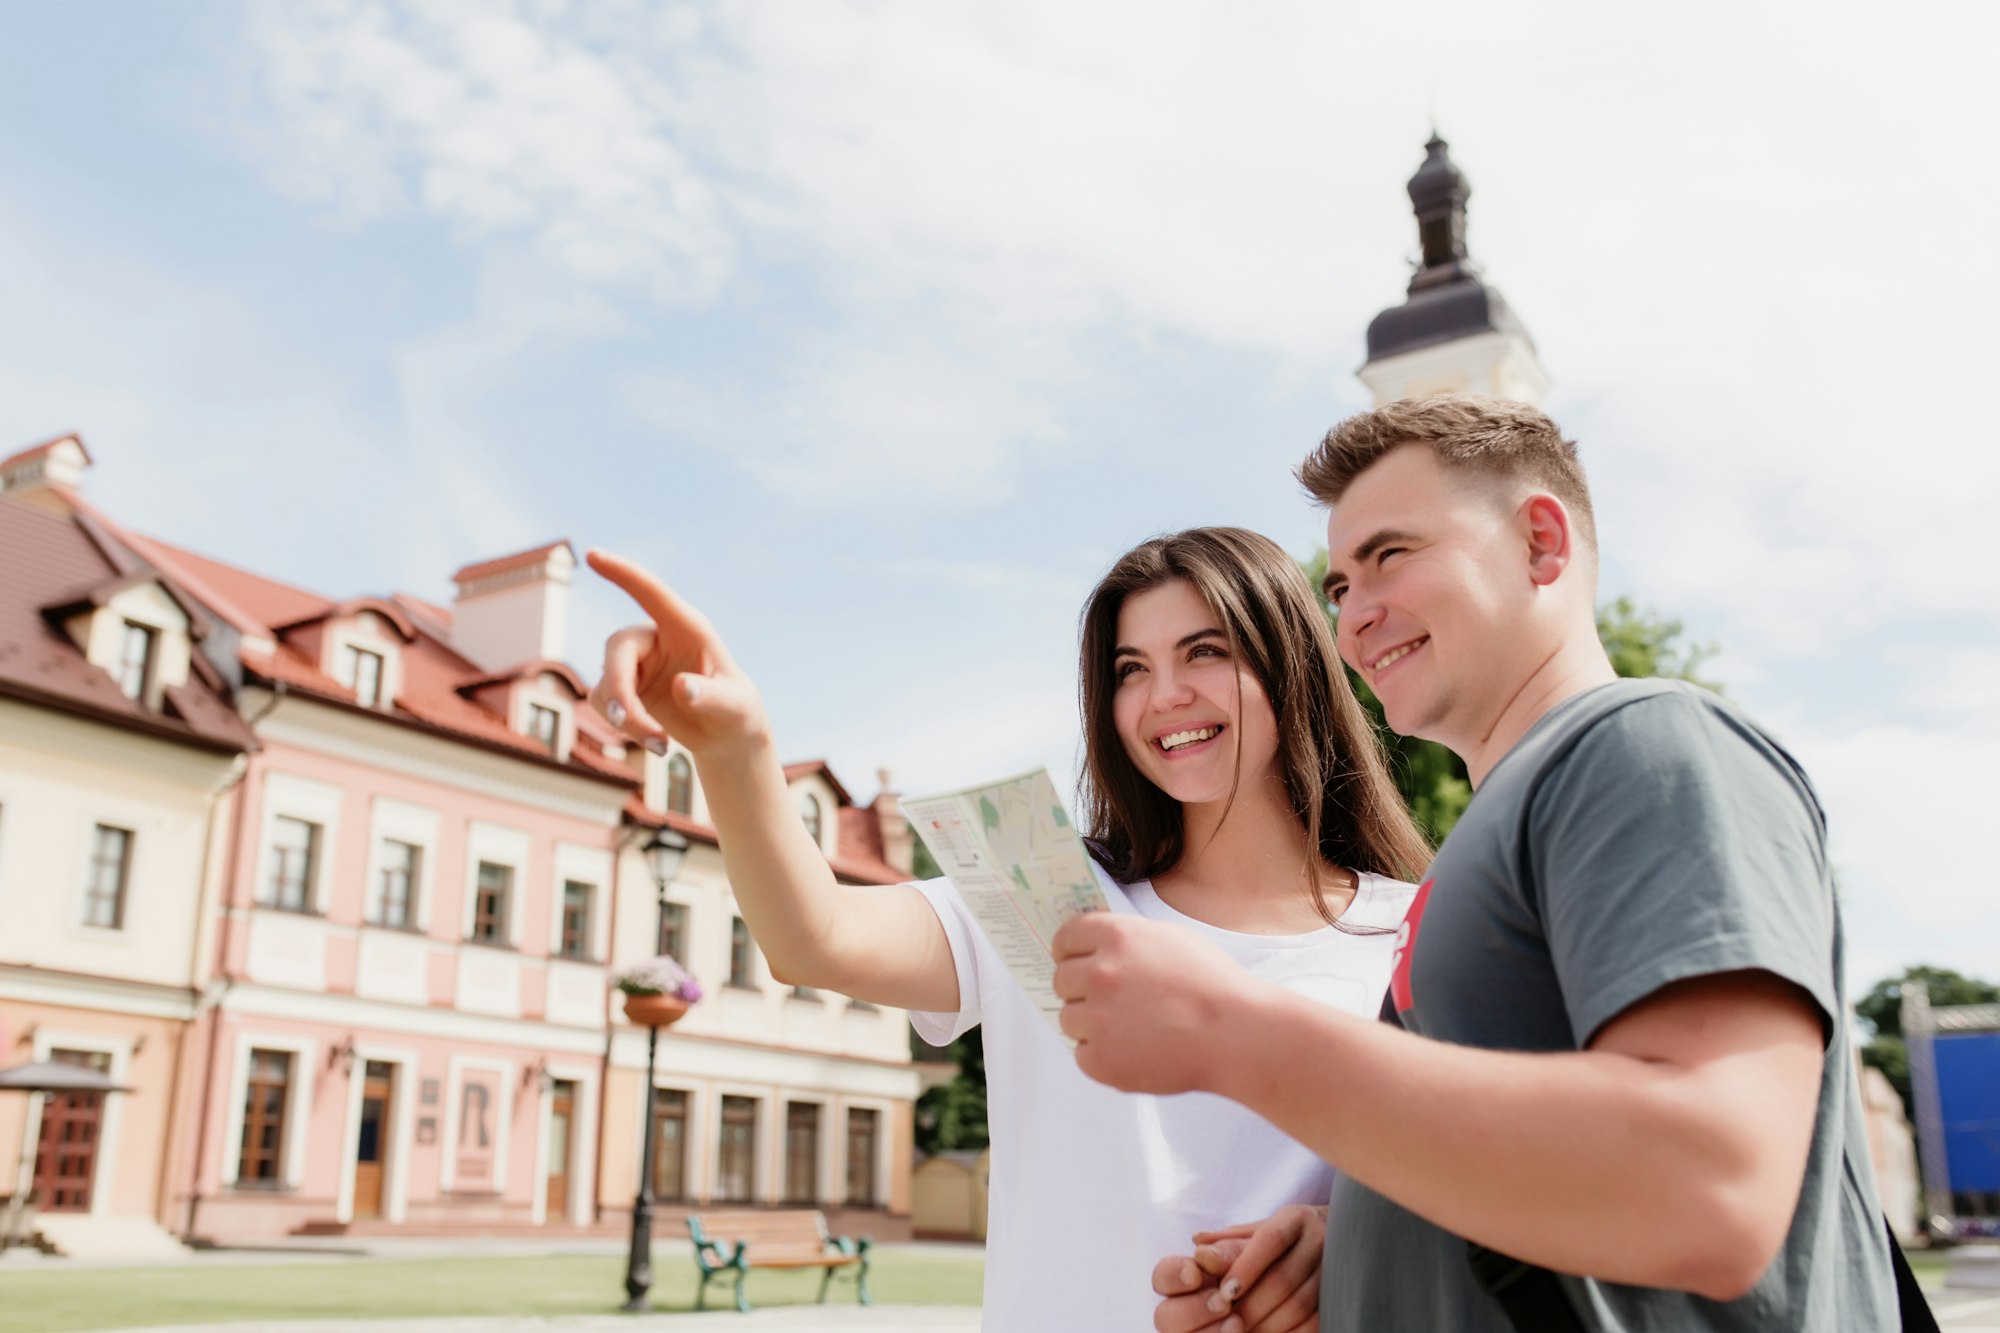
x,y
1640,834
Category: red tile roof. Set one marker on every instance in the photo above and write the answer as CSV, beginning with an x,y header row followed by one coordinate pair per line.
x,y
855,861
793,772
520,559
53,560
42,448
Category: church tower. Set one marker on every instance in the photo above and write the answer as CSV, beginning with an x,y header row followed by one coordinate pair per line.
x,y
1453,333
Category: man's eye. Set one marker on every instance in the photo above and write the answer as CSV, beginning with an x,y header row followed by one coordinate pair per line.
x,y
1388,551
1333,597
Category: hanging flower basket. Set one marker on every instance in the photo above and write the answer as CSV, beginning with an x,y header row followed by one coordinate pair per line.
x,y
654,1011
657,992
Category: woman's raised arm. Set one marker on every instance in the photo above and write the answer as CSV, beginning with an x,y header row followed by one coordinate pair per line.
x,y
675,678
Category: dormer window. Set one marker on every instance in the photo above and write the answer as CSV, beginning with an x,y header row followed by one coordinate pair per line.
x,y
138,646
545,725
364,669
809,811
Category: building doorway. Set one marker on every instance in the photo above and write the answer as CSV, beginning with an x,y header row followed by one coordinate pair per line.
x,y
371,1147
66,1152
562,1136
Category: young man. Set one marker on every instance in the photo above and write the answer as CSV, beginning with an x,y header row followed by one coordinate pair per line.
x,y
1624,1053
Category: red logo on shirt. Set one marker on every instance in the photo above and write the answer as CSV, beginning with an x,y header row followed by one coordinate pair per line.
x,y
1406,947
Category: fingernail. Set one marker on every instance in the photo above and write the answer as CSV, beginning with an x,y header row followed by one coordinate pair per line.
x,y
1216,1303
1231,1289
1189,1275
693,688
654,745
1232,1325
614,713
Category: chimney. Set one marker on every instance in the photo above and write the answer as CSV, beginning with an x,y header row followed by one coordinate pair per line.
x,y
514,609
41,474
898,841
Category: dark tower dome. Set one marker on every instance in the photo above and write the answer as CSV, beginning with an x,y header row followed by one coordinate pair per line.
x,y
1447,300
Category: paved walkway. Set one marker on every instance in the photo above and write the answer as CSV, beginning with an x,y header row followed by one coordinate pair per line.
x,y
796,1318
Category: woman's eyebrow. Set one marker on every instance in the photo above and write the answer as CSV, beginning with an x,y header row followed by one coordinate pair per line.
x,y
1124,650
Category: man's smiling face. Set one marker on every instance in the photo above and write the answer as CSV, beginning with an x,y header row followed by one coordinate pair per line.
x,y
1433,592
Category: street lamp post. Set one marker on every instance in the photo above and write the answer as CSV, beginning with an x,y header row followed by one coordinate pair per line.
x,y
664,852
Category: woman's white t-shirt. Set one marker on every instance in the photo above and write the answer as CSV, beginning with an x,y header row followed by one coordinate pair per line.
x,y
1091,1187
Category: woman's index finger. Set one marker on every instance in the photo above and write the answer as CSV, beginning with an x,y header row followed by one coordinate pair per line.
x,y
655,598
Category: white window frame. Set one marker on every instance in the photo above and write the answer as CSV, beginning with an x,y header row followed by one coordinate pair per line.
x,y
885,1124
370,633
295,797
298,1106
503,846
400,821
127,875
551,692
823,1166
587,865
764,1154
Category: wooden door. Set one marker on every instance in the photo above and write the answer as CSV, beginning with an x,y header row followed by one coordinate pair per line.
x,y
371,1147
562,1122
66,1153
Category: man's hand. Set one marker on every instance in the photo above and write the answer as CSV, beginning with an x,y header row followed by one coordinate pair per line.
x,y
1270,1267
673,677
1149,1004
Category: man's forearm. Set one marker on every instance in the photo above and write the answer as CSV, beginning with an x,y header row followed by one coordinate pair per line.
x,y
1585,1162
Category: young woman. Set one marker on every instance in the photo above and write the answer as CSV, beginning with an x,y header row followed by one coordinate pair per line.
x,y
1232,786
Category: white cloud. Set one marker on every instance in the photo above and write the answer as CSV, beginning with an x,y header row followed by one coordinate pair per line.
x,y
1746,243
496,124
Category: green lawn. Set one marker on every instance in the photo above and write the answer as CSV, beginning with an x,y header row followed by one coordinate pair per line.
x,y
48,1300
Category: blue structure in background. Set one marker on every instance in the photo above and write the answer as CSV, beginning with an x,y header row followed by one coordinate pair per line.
x,y
1955,1082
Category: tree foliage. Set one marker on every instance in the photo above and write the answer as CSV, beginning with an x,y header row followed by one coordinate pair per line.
x,y
953,1115
1433,780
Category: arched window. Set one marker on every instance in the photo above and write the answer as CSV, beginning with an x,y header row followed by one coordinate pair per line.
x,y
809,811
680,784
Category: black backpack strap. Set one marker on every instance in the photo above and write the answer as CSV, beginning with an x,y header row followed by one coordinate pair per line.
x,y
1916,1311
1533,1297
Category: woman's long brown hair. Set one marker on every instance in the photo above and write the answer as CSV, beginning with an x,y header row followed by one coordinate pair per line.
x,y
1333,763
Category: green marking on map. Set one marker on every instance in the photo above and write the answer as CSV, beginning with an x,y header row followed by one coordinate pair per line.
x,y
1061,817
1021,879
989,814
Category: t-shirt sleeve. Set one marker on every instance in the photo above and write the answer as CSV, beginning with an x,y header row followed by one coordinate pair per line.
x,y
1675,842
941,1029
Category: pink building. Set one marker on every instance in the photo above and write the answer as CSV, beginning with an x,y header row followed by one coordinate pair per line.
x,y
401,1012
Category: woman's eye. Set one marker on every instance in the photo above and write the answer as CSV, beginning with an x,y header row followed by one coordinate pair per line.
x,y
1207,650
1123,669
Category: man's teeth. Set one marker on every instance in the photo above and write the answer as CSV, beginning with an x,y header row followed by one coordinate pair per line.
x,y
1398,655
1182,738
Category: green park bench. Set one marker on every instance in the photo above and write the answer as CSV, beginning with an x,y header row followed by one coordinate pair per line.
x,y
735,1243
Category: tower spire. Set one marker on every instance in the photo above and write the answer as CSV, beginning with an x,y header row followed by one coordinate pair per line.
x,y
1453,332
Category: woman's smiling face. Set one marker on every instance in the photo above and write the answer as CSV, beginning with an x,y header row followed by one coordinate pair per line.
x,y
1184,706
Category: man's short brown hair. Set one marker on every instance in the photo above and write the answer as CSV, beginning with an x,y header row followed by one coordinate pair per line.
x,y
1495,436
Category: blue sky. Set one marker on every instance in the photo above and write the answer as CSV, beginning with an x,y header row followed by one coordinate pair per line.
x,y
881,329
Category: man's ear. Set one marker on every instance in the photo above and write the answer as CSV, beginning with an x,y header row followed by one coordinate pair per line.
x,y
1550,543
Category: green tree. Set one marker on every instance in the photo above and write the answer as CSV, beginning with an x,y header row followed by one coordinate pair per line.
x,y
1642,644
1882,1010
953,1115
1433,780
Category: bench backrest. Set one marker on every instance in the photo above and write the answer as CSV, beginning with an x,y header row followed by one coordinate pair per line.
x,y
772,1236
